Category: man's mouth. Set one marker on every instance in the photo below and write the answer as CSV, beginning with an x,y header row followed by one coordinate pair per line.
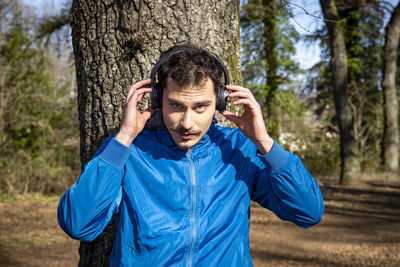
x,y
187,135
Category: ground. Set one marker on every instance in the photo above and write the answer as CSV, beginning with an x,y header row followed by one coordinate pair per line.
x,y
360,227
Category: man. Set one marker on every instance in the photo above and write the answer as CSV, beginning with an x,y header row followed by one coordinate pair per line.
x,y
180,186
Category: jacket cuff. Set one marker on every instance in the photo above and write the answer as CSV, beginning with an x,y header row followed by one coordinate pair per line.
x,y
276,157
116,153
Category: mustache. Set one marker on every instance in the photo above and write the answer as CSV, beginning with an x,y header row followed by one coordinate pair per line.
x,y
186,131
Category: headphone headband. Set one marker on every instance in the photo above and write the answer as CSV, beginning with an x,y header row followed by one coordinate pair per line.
x,y
184,49
156,94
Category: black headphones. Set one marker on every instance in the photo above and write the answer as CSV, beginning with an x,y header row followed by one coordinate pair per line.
x,y
156,93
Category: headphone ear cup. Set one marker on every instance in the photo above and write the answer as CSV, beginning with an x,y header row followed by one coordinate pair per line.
x,y
156,96
222,98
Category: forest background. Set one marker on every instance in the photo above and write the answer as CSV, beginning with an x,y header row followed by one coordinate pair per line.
x,y
286,62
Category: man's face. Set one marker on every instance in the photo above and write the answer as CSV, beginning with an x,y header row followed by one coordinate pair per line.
x,y
188,112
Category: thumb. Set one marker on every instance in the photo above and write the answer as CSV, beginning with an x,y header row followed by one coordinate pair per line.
x,y
147,114
230,116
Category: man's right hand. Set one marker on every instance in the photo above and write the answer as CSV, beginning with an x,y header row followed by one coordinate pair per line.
x,y
132,120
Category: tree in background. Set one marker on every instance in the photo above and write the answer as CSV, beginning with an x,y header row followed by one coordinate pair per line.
x,y
363,40
361,23
268,67
391,117
116,44
348,147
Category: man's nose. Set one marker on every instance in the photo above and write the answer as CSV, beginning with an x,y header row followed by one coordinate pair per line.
x,y
187,120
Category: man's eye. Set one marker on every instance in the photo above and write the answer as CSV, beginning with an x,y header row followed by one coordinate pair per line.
x,y
200,108
176,106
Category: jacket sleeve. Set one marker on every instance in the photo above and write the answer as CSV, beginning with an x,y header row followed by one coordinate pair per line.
x,y
286,187
88,206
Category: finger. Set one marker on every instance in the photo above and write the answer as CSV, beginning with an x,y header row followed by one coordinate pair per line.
x,y
146,115
249,96
134,100
229,115
138,94
235,88
241,94
136,86
141,83
245,102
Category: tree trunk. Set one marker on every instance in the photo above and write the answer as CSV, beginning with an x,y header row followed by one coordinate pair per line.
x,y
116,44
391,129
350,168
271,68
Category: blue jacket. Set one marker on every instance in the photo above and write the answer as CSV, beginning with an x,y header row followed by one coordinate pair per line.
x,y
175,208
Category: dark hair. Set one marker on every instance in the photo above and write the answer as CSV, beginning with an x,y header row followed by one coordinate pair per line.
x,y
192,66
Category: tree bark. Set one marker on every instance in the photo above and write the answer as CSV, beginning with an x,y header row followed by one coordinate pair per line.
x,y
390,142
116,44
350,168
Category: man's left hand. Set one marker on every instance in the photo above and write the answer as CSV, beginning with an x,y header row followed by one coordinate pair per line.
x,y
251,122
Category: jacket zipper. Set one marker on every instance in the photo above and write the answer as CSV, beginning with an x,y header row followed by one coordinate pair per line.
x,y
193,200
